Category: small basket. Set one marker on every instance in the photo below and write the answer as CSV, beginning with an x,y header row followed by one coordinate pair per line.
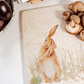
x,y
12,8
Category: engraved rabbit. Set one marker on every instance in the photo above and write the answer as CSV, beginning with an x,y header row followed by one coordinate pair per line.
x,y
48,64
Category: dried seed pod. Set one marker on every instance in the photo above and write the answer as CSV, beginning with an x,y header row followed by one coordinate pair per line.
x,y
73,28
81,35
70,6
75,18
77,6
66,15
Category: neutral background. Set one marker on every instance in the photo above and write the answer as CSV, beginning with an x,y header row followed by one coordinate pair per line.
x,y
11,51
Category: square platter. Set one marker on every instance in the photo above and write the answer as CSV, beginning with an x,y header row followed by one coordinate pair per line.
x,y
36,24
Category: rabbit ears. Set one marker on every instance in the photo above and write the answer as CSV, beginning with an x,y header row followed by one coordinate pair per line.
x,y
52,31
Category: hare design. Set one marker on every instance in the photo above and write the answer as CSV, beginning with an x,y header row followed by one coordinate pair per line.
x,y
49,67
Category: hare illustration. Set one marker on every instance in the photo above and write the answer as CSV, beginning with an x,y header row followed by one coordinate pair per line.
x,y
49,67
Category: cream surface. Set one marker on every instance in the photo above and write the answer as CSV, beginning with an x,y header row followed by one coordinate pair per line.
x,y
36,25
